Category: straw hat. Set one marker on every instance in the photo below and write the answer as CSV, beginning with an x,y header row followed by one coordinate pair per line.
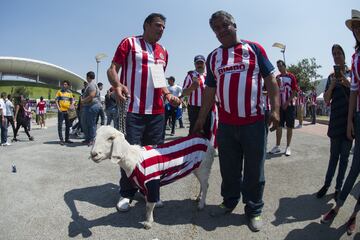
x,y
355,16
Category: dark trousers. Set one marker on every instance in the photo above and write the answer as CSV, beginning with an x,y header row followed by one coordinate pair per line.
x,y
171,114
241,157
101,114
11,121
355,165
4,129
313,114
63,116
339,150
143,130
22,123
193,112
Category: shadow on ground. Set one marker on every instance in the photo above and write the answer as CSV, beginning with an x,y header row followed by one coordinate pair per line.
x,y
174,212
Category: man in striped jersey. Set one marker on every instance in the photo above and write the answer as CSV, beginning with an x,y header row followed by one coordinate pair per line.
x,y
288,89
234,73
142,62
194,85
300,101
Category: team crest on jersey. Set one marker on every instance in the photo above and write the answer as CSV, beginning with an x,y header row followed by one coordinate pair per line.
x,y
246,55
161,56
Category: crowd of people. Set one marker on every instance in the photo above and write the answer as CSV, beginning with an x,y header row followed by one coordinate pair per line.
x,y
233,94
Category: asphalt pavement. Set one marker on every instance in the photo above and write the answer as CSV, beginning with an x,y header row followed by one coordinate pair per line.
x,y
58,193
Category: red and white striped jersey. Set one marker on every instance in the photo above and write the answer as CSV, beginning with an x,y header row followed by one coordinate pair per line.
x,y
355,76
312,97
167,163
266,101
288,85
237,73
136,56
300,99
195,96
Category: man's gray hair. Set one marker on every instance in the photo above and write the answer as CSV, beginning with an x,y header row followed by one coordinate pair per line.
x,y
221,13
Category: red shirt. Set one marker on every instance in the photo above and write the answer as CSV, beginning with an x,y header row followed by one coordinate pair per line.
x,y
41,105
136,56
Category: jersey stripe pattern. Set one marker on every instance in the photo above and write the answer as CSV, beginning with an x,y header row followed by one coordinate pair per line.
x,y
288,85
167,163
195,96
300,100
136,57
237,74
355,77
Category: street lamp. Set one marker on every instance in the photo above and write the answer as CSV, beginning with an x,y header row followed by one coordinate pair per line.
x,y
98,58
282,47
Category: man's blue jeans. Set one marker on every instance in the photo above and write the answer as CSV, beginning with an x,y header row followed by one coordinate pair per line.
x,y
242,157
4,130
88,121
61,117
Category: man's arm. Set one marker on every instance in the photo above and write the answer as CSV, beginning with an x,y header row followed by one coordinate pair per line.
x,y
120,90
273,93
89,98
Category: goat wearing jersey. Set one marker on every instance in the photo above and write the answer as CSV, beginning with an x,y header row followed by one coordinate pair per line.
x,y
167,163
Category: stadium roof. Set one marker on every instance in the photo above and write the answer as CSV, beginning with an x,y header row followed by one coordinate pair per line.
x,y
39,71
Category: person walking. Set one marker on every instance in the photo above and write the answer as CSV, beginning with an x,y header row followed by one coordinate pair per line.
x,y
337,92
171,111
10,111
3,120
41,109
111,109
288,90
353,129
21,119
312,98
101,114
235,72
142,61
300,102
64,101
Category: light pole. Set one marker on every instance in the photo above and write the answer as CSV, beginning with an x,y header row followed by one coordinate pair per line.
x,y
282,47
98,58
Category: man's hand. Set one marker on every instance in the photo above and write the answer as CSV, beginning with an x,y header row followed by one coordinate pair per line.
x,y
174,101
195,83
274,120
198,127
121,92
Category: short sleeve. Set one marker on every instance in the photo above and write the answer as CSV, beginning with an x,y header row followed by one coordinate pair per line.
x,y
266,68
210,78
122,51
187,81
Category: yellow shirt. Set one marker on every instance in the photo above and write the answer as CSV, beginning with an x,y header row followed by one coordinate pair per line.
x,y
64,99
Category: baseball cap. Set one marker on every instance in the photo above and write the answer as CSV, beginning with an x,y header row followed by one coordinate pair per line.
x,y
171,78
198,58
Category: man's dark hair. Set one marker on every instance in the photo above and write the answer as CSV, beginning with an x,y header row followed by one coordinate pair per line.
x,y
90,75
3,94
224,14
41,98
149,19
9,96
100,84
66,81
282,62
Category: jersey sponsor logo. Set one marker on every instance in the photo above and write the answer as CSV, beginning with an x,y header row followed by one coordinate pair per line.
x,y
237,67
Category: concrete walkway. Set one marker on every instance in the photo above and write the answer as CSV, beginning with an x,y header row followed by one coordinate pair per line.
x,y
58,193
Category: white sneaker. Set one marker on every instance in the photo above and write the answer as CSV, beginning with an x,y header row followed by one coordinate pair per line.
x,y
288,151
159,204
299,126
6,144
275,149
123,204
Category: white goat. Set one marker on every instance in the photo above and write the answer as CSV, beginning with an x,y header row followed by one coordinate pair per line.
x,y
111,144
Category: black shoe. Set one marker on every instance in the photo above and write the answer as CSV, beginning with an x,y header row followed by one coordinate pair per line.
x,y
31,138
68,141
62,143
322,192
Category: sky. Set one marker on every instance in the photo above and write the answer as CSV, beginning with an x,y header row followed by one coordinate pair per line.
x,y
69,33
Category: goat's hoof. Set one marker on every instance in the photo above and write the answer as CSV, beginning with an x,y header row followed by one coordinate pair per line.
x,y
147,225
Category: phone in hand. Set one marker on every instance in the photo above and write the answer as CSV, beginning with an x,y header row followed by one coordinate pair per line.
x,y
337,71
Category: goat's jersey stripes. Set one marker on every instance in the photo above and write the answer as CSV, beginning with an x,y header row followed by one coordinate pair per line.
x,y
195,96
237,73
355,76
287,85
136,57
166,163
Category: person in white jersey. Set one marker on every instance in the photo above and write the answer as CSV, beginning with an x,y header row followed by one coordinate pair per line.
x,y
170,111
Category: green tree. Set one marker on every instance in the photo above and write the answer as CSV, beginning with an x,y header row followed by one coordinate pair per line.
x,y
306,74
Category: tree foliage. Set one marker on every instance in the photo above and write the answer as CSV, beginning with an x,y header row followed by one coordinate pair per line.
x,y
306,74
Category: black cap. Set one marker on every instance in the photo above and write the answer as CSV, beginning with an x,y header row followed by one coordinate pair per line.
x,y
198,58
171,78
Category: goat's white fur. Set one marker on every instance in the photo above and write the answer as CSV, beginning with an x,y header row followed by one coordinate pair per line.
x,y
111,144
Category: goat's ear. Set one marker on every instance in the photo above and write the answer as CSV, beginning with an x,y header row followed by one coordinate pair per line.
x,y
116,149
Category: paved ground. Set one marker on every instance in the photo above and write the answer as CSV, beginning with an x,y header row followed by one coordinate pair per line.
x,y
58,193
